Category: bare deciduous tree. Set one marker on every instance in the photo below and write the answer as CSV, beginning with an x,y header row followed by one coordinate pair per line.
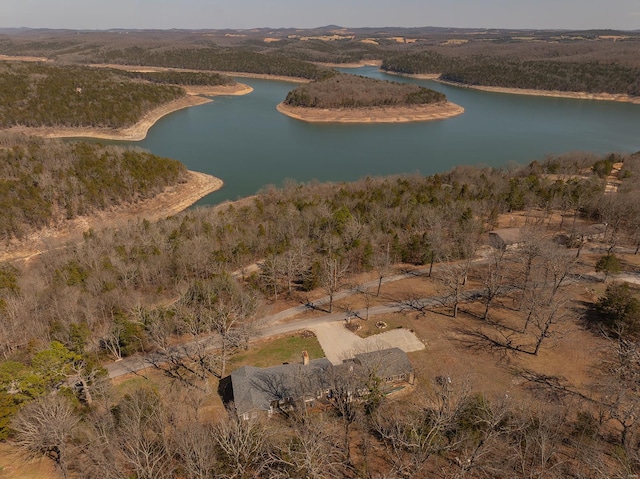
x,y
45,427
493,279
196,449
536,442
243,446
142,435
618,388
453,278
312,451
334,270
382,264
414,434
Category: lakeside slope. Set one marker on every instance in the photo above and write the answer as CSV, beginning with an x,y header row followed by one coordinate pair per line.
x,y
171,201
576,95
548,93
395,114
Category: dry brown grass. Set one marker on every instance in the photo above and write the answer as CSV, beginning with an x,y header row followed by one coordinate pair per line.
x,y
15,465
571,353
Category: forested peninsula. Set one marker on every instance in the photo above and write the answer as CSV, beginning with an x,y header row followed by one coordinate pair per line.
x,y
348,98
45,183
70,100
594,80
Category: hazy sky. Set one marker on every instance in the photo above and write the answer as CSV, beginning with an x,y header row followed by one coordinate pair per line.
x,y
104,14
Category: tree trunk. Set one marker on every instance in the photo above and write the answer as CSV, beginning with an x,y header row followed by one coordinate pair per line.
x,y
347,452
223,357
528,320
543,335
85,390
486,310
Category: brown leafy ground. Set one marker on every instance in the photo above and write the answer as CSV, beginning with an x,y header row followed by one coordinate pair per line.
x,y
171,201
15,465
571,352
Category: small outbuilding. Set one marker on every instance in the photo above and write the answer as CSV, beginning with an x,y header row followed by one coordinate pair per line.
x,y
506,238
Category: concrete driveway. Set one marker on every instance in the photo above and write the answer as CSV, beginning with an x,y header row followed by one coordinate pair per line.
x,y
339,343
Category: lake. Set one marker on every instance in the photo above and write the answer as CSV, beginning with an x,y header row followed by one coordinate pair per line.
x,y
248,144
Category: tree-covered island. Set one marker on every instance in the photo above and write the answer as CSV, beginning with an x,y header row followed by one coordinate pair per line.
x,y
347,98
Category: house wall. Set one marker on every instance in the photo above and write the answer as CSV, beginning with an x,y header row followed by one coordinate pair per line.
x,y
496,241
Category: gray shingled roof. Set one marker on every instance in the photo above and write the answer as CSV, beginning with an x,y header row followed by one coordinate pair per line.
x,y
255,388
385,363
509,235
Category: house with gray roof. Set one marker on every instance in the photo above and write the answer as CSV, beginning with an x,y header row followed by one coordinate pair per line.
x,y
263,391
506,238
256,392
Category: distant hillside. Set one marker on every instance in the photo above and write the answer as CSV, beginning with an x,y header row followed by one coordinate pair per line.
x,y
182,78
537,74
287,51
241,61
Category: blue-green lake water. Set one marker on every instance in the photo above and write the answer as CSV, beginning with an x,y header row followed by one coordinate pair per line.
x,y
247,143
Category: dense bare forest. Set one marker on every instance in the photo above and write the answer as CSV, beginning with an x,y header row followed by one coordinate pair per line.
x,y
141,288
44,182
351,91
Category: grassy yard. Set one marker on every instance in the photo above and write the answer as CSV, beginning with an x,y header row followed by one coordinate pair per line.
x,y
277,351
